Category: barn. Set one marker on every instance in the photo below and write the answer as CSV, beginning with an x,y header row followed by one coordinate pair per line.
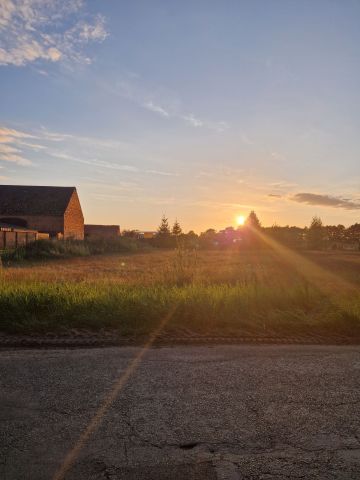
x,y
53,210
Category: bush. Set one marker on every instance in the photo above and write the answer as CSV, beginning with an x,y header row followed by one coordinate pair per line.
x,y
46,249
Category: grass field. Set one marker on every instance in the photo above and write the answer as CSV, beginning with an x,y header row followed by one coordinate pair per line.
x,y
220,292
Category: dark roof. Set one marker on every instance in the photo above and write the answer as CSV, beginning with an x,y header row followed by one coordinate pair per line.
x,y
30,200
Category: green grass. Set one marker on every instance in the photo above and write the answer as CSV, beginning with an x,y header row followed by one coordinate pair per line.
x,y
220,293
132,310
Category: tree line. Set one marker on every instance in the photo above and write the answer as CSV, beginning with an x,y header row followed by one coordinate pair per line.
x,y
316,236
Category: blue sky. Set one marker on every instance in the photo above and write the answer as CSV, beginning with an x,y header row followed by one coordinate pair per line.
x,y
202,110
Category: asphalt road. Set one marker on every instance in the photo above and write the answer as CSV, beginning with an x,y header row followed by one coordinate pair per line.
x,y
225,412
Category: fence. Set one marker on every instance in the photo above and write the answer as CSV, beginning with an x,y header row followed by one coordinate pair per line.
x,y
13,237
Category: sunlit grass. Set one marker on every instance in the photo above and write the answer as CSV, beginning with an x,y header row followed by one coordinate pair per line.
x,y
214,292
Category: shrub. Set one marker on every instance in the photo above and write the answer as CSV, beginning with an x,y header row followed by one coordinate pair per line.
x,y
46,249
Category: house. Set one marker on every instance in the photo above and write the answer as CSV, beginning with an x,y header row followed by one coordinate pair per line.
x,y
12,236
102,231
147,235
53,210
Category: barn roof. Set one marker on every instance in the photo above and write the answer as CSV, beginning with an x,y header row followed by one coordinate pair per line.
x,y
32,200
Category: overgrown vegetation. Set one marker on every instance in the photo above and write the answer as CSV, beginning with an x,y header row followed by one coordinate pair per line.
x,y
220,293
46,249
315,237
225,309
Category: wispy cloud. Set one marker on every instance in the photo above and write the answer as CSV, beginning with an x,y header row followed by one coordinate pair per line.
x,y
33,30
110,165
17,146
95,162
137,199
156,108
162,174
61,137
325,201
10,143
131,88
192,120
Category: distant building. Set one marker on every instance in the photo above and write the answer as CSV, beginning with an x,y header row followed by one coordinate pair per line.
x,y
102,231
53,210
147,234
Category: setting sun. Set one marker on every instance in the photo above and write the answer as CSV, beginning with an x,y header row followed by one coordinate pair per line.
x,y
240,220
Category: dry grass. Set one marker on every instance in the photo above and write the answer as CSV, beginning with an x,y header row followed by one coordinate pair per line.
x,y
217,290
159,266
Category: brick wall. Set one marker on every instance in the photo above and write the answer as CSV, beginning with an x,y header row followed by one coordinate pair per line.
x,y
74,219
102,231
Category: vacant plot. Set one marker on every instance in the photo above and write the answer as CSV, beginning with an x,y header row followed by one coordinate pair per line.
x,y
222,292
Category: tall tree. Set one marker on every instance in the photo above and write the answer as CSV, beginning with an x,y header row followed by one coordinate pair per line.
x,y
164,229
176,229
353,233
316,233
253,221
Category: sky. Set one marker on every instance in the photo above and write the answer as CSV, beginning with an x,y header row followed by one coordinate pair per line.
x,y
201,110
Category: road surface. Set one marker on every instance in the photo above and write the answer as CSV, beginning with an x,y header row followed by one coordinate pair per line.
x,y
217,412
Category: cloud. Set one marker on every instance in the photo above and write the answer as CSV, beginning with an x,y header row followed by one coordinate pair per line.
x,y
325,201
9,157
95,162
59,137
33,30
137,199
192,120
110,165
161,173
16,145
92,32
274,195
10,146
156,108
6,133
130,88
276,156
196,122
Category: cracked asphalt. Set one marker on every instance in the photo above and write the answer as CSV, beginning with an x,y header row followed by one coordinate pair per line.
x,y
216,412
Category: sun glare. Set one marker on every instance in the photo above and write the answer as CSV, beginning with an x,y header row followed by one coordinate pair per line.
x,y
240,220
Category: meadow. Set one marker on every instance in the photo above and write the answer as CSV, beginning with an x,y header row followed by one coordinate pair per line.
x,y
221,292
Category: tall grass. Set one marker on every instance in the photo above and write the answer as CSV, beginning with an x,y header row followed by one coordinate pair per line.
x,y
222,295
47,249
204,308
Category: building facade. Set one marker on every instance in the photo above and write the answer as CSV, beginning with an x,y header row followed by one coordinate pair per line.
x,y
102,231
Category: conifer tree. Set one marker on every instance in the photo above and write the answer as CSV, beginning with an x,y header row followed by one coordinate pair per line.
x,y
176,229
253,221
164,229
